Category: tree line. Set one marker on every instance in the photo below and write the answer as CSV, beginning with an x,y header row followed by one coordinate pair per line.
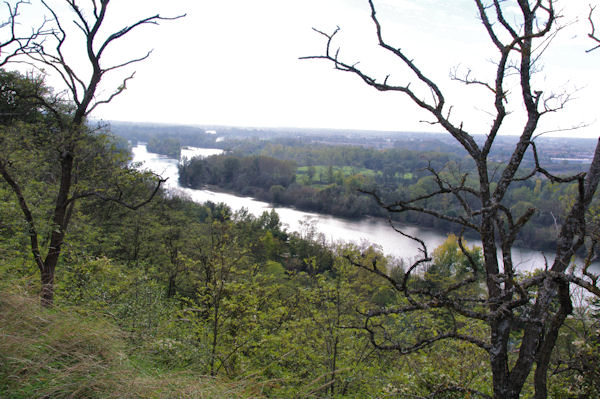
x,y
231,295
202,288
334,188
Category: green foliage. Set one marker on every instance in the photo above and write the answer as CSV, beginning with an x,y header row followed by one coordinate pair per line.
x,y
328,178
200,288
51,161
18,102
447,365
576,361
449,260
166,146
60,354
258,172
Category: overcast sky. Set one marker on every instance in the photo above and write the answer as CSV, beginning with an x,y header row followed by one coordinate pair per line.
x,y
236,62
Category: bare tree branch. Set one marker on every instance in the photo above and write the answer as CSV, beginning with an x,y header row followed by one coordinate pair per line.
x,y
33,234
119,198
535,306
405,206
45,48
82,93
16,43
592,35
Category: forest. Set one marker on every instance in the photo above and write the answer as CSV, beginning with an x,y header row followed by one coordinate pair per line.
x,y
329,179
186,291
113,286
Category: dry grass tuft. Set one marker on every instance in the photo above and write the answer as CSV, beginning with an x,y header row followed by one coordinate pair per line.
x,y
58,354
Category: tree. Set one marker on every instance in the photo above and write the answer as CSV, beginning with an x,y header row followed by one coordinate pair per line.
x,y
219,269
13,43
311,173
68,111
449,262
523,313
593,34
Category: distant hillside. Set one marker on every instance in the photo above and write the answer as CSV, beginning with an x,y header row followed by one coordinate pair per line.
x,y
563,155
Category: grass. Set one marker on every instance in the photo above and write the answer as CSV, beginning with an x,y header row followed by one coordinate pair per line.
x,y
321,172
57,353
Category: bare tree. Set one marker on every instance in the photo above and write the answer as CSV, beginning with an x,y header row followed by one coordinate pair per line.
x,y
534,306
593,35
70,110
13,41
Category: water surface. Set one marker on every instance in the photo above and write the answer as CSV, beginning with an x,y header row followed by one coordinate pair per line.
x,y
368,230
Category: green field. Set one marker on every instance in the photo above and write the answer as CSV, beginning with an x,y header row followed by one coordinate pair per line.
x,y
320,173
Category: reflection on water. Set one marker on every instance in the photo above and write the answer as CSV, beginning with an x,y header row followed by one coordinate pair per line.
x,y
334,229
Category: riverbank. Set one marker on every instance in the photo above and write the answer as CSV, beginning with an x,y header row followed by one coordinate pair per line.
x,y
334,229
341,193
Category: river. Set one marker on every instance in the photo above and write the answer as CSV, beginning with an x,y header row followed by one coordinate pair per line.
x,y
334,229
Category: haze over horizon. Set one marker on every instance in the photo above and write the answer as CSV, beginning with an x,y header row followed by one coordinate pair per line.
x,y
236,63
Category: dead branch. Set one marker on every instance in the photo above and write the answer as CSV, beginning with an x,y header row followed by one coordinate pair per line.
x,y
23,204
536,305
408,205
421,343
118,199
83,90
18,43
592,35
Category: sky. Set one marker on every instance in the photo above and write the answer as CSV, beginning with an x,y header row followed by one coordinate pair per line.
x,y
237,63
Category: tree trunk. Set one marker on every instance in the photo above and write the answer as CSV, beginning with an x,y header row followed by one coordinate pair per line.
x,y
48,270
549,341
47,293
171,287
60,220
215,337
500,331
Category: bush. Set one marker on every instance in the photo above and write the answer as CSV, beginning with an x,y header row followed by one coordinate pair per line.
x,y
58,354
